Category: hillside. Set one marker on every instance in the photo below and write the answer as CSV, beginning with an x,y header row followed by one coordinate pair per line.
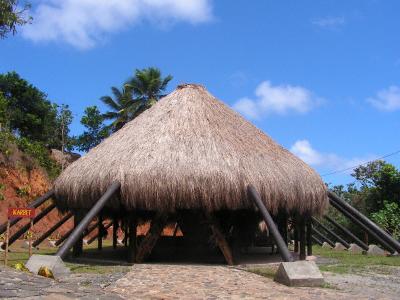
x,y
22,179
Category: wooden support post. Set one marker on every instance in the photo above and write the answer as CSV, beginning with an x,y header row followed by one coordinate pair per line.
x,y
100,228
151,238
115,231
317,240
132,238
302,238
282,226
220,238
7,237
78,246
30,237
96,236
296,236
52,229
309,237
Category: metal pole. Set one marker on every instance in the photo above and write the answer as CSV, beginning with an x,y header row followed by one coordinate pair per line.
x,y
283,250
324,238
33,204
52,229
345,243
78,231
363,226
26,227
367,222
347,232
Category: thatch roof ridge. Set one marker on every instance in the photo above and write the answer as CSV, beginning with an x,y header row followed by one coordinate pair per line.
x,y
192,151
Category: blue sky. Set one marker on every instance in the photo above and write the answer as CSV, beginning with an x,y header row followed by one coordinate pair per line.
x,y
322,78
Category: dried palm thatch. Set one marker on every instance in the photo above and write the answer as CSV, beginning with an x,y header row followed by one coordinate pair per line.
x,y
191,151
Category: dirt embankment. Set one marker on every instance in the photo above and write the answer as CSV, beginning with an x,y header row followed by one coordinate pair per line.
x,y
18,187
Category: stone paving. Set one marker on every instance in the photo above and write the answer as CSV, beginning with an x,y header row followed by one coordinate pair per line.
x,y
22,285
157,281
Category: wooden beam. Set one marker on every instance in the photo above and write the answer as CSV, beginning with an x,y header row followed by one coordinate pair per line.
x,y
78,245
115,231
302,237
100,231
132,239
151,238
220,238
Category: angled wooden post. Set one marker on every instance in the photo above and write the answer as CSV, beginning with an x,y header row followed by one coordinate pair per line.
x,y
78,245
52,229
151,238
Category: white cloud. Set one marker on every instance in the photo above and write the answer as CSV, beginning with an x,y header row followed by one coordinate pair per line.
x,y
387,99
304,150
83,23
329,22
280,99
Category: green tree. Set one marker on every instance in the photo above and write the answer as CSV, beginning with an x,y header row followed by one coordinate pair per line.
x,y
12,15
95,130
147,86
3,112
64,119
30,114
121,107
380,182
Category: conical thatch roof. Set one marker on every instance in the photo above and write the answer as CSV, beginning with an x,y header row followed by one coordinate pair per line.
x,y
191,151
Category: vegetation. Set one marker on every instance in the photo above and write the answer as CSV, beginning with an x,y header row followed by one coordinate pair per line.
x,y
376,193
12,15
95,131
138,94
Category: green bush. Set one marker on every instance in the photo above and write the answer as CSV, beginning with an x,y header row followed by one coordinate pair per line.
x,y
389,218
2,187
23,191
40,153
6,139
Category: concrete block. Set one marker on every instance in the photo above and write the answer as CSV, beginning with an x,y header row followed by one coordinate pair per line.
x,y
326,245
119,242
85,242
354,248
54,263
25,245
375,250
339,247
299,273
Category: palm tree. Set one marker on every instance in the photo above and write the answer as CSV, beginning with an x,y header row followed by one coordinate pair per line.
x,y
147,86
122,107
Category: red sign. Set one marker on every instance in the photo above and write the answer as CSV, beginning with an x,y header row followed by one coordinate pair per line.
x,y
14,212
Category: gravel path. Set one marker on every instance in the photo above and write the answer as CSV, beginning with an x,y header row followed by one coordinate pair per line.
x,y
160,281
154,281
22,285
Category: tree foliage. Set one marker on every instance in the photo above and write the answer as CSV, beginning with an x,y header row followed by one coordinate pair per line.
x,y
12,15
30,113
95,131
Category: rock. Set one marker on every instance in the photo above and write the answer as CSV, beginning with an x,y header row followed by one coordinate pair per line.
x,y
326,245
54,263
52,243
119,242
375,250
339,247
354,248
85,241
299,273
311,258
25,245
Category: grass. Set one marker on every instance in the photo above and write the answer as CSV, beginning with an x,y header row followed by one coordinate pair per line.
x,y
21,255
346,262
268,272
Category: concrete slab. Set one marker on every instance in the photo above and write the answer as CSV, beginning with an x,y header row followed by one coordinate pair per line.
x,y
354,248
54,263
339,247
326,245
376,250
299,273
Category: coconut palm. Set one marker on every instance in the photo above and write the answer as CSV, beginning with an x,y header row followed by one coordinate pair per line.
x,y
147,86
122,107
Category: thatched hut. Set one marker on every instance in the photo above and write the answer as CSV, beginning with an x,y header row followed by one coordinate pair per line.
x,y
191,157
